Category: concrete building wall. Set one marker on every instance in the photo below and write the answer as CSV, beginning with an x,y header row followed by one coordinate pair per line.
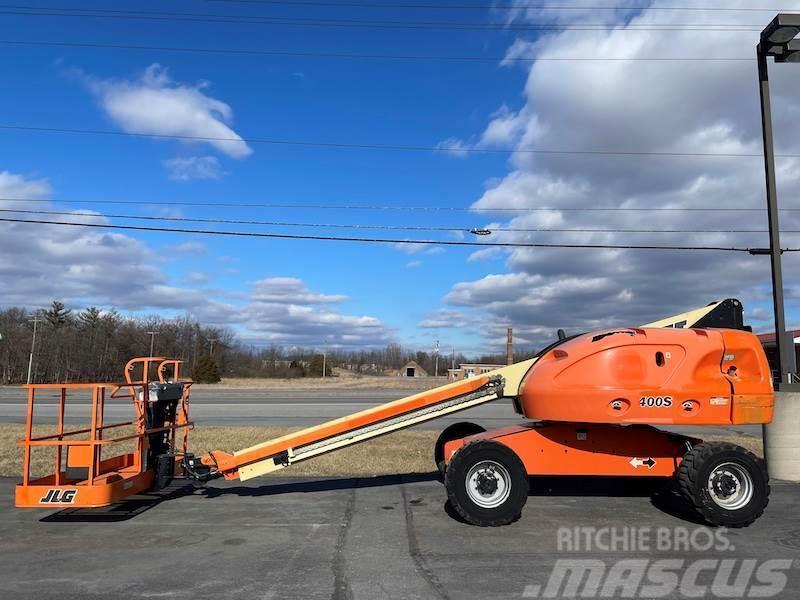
x,y
413,369
467,370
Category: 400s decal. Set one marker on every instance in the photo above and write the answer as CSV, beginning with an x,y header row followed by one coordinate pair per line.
x,y
655,401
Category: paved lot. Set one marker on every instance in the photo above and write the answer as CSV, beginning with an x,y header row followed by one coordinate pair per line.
x,y
341,539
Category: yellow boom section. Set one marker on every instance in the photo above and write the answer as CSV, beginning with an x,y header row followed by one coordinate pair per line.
x,y
372,422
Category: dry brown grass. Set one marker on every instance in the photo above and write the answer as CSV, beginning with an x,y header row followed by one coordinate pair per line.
x,y
43,459
401,452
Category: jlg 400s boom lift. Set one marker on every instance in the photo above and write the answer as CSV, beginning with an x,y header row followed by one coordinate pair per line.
x,y
591,401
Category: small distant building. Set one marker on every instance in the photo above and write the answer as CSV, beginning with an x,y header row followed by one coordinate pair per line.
x,y
413,369
467,370
768,342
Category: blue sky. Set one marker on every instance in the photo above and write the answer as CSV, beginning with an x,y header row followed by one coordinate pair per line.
x,y
470,297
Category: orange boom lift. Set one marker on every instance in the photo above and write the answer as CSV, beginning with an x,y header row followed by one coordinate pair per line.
x,y
591,401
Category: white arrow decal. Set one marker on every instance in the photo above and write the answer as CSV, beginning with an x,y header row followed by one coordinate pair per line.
x,y
643,462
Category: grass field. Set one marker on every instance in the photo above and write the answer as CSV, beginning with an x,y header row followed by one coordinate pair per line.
x,y
401,452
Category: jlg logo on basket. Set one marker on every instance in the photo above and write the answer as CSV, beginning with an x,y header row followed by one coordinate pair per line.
x,y
56,496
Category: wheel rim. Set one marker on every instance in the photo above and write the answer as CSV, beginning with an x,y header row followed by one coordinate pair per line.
x,y
730,486
488,484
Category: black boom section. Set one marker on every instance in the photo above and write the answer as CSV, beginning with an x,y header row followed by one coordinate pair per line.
x,y
728,314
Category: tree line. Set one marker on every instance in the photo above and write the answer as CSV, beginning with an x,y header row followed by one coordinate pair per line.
x,y
94,345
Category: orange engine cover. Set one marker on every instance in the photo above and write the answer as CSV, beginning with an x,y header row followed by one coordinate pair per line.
x,y
657,376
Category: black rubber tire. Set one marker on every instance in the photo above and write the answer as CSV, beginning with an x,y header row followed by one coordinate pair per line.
x,y
456,431
164,471
456,481
694,472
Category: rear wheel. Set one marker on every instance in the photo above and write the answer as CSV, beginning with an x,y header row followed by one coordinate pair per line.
x,y
456,431
487,484
164,471
727,484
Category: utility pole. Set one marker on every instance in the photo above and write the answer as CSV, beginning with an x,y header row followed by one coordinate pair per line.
x,y
453,359
436,359
152,335
35,320
777,40
211,342
509,347
323,363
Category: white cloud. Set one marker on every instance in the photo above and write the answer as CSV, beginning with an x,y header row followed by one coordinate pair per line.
x,y
418,248
187,168
41,262
413,264
196,277
187,248
454,147
84,266
444,319
661,106
18,187
504,128
155,104
283,310
280,289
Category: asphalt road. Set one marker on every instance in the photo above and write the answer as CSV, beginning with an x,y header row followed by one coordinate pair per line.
x,y
291,408
389,537
249,407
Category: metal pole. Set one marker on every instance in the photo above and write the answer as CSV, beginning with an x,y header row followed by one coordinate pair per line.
x,y
783,359
33,348
211,343
152,335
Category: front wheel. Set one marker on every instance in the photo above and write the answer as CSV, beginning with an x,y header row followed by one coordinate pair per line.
x,y
727,484
487,484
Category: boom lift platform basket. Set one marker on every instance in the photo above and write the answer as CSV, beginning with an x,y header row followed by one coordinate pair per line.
x,y
87,471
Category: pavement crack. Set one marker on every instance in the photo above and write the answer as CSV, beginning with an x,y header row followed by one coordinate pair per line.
x,y
422,566
341,585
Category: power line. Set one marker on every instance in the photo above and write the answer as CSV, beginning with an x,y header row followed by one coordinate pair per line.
x,y
289,236
347,55
356,23
463,228
393,207
520,6
401,147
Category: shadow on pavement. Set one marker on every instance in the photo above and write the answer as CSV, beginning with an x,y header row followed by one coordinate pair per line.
x,y
663,497
321,485
662,492
121,511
